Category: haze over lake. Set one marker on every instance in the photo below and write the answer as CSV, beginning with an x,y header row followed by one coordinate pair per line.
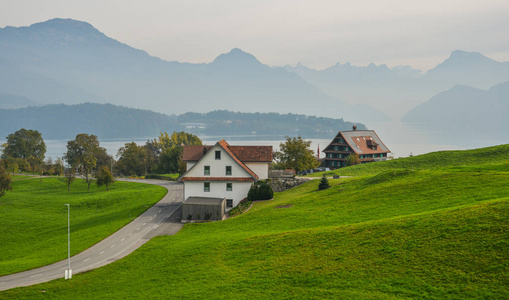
x,y
403,141
461,103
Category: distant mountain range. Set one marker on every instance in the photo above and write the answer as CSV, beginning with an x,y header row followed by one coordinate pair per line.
x,y
67,61
107,121
13,101
397,90
465,113
70,62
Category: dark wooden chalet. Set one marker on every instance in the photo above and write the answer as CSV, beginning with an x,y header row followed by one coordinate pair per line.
x,y
364,143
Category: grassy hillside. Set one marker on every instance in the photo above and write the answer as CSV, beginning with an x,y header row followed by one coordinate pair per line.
x,y
33,222
462,159
429,233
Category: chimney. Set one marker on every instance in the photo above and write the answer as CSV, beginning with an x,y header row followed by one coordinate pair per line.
x,y
354,127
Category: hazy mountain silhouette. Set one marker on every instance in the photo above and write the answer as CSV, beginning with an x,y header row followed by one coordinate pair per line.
x,y
8,101
396,90
67,61
464,112
470,68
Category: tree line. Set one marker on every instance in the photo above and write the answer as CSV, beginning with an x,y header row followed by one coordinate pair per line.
x,y
25,151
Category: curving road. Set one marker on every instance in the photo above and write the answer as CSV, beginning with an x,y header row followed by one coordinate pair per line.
x,y
161,219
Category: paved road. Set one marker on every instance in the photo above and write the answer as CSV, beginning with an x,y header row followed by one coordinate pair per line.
x,y
161,219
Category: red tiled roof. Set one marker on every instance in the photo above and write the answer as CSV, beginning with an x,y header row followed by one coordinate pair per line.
x,y
240,154
362,144
194,152
253,153
243,153
217,179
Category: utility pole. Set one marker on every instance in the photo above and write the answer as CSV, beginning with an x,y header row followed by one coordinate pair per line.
x,y
68,272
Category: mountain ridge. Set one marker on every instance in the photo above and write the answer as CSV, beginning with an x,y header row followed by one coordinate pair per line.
x,y
104,70
395,91
463,112
74,70
107,121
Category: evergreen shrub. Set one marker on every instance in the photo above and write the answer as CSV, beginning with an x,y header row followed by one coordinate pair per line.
x,y
260,190
324,183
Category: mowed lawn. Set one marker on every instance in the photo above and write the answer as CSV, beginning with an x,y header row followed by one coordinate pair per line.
x,y
33,222
435,233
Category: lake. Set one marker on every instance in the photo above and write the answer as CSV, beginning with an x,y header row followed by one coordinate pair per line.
x,y
401,142
400,138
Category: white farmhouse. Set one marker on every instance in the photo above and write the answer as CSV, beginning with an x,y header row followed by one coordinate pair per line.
x,y
224,171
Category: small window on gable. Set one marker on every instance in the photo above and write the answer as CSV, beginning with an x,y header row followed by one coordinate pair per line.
x,y
218,154
206,170
206,186
229,186
228,170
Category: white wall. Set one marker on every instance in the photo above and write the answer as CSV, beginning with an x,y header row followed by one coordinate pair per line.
x,y
217,169
261,169
217,166
189,165
218,190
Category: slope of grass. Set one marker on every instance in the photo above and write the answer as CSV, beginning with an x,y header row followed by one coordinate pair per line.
x,y
33,223
496,155
432,233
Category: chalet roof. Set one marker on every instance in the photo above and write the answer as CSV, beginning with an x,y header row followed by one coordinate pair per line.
x,y
243,153
362,141
239,154
358,141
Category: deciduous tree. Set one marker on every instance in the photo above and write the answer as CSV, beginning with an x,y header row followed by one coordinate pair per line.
x,y
352,159
5,181
58,165
81,154
103,158
25,144
10,165
295,153
69,176
104,177
171,148
132,160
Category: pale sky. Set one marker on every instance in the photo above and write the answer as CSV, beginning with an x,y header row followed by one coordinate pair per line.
x,y
317,33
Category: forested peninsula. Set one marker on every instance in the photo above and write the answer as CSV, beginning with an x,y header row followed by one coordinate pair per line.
x,y
60,121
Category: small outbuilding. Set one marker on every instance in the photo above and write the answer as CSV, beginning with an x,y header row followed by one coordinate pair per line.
x,y
203,209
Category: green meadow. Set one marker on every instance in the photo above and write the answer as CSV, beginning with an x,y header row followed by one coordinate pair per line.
x,y
439,230
484,157
33,223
